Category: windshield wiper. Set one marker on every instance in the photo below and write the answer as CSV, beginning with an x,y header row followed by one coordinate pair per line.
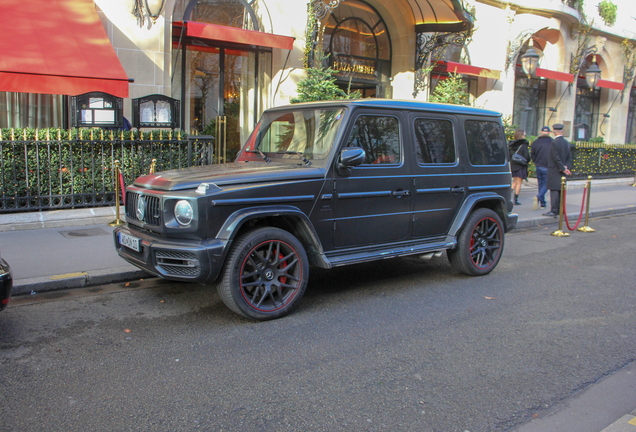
x,y
299,154
263,155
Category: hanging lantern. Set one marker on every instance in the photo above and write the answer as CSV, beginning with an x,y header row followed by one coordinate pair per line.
x,y
593,74
154,8
530,60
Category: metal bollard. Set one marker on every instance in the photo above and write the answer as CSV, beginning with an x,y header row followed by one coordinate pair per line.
x,y
559,232
586,228
117,222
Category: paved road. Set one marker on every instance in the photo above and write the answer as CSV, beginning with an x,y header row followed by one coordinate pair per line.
x,y
399,345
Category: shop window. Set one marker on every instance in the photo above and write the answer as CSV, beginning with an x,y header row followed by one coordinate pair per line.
x,y
586,112
631,119
22,110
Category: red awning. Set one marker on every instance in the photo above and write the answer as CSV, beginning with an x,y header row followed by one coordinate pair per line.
x,y
610,84
469,69
57,47
559,76
236,35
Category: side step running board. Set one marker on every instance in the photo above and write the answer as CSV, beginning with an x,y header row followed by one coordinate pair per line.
x,y
427,251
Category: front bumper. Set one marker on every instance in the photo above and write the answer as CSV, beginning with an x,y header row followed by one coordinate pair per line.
x,y
173,259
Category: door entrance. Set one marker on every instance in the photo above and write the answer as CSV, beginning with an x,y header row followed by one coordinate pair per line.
x,y
220,96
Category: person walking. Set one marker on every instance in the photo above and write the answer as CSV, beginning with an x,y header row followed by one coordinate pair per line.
x,y
540,153
519,171
558,166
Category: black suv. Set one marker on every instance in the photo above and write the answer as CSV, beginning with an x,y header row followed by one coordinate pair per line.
x,y
327,184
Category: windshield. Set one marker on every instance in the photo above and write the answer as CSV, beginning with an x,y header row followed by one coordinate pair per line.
x,y
290,136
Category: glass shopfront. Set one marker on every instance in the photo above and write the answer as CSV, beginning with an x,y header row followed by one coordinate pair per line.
x,y
223,87
358,47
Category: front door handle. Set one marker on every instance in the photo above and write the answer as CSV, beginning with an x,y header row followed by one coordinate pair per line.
x,y
457,190
400,193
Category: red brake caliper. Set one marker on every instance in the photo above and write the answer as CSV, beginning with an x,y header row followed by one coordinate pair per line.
x,y
282,265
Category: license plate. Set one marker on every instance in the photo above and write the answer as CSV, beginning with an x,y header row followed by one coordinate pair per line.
x,y
130,242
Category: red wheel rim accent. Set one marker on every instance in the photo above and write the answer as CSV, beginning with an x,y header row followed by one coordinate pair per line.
x,y
270,276
485,243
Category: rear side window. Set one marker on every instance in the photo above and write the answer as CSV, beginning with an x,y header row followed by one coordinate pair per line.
x,y
435,143
486,143
379,136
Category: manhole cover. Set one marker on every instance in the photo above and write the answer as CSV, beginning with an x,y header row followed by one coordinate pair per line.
x,y
89,232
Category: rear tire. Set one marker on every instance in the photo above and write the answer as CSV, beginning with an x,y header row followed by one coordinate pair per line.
x,y
265,274
480,244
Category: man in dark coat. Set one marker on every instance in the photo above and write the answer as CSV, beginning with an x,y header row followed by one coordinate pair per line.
x,y
558,166
540,153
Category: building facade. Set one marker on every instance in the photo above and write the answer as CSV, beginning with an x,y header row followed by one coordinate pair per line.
x,y
228,60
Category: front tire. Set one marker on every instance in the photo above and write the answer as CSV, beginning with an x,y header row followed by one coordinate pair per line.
x,y
480,244
265,274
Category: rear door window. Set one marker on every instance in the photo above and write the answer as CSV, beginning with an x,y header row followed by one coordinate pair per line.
x,y
434,141
486,142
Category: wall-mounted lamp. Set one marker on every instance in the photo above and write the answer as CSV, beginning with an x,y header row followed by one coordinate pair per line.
x,y
150,8
530,60
593,74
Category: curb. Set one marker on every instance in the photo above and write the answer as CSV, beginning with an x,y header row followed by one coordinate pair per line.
x,y
78,280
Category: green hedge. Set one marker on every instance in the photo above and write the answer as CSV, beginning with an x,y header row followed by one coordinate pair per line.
x,y
600,160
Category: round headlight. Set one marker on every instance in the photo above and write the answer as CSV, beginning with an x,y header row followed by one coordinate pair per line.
x,y
183,212
141,208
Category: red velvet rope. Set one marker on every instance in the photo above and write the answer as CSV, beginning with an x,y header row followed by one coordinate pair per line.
x,y
123,188
580,215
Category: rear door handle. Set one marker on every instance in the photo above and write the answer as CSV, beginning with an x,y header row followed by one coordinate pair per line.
x,y
400,193
457,190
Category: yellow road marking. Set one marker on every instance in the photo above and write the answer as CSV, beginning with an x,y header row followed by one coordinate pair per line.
x,y
68,275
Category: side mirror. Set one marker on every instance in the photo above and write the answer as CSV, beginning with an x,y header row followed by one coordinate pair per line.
x,y
350,157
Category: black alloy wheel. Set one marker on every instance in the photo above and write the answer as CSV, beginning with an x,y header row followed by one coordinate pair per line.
x,y
479,244
265,275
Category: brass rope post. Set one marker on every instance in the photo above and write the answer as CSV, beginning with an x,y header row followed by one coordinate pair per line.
x,y
586,228
153,166
117,222
559,232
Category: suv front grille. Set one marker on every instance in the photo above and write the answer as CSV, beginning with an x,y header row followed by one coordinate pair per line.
x,y
152,211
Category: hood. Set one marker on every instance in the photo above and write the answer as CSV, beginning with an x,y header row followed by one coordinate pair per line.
x,y
226,174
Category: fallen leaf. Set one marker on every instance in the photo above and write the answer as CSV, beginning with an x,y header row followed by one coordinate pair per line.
x,y
490,298
535,415
127,283
163,301
127,330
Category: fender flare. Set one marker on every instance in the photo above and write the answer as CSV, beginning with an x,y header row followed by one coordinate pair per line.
x,y
470,203
308,233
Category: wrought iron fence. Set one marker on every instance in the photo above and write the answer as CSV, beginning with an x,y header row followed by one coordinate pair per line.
x,y
62,174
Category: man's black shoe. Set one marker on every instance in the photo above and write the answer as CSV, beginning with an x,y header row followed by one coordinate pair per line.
x,y
550,214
